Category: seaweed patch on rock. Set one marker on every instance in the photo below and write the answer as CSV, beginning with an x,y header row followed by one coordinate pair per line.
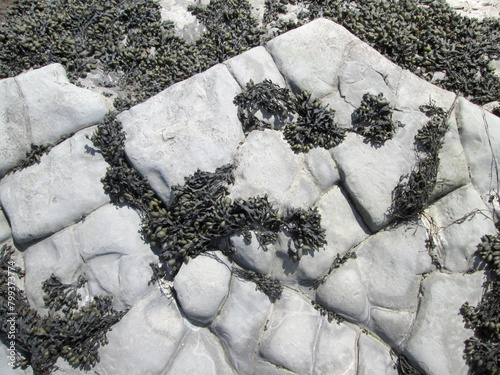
x,y
38,341
307,122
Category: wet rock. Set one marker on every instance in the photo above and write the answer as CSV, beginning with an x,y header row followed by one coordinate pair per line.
x,y
436,343
191,125
201,287
241,322
47,197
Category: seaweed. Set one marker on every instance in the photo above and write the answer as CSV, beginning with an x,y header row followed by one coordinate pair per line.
x,y
271,287
38,341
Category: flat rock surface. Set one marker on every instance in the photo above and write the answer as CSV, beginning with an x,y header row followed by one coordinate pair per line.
x,y
388,286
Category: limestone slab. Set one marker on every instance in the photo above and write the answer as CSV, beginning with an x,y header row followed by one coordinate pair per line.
x,y
202,286
462,219
290,335
322,168
436,344
480,136
47,197
114,257
310,57
199,353
343,292
251,255
374,357
391,325
390,264
256,65
39,107
240,324
56,107
145,340
189,126
335,350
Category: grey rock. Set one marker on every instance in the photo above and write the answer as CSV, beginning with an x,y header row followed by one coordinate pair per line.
x,y
145,340
199,353
344,293
14,126
114,257
391,262
5,233
39,107
459,220
374,357
480,136
335,349
436,344
186,24
255,64
291,332
201,287
47,197
265,165
322,168
191,125
240,324
453,171
252,256
391,325
310,57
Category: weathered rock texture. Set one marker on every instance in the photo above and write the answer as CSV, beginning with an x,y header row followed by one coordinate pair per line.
x,y
393,294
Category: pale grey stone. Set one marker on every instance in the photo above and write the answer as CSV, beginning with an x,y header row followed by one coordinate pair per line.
x,y
374,357
322,168
335,349
47,197
14,126
114,257
266,368
390,263
344,293
4,228
201,287
252,256
310,57
460,227
289,338
200,353
303,192
191,125
480,135
56,107
145,340
391,325
256,65
453,171
265,165
240,324
436,344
